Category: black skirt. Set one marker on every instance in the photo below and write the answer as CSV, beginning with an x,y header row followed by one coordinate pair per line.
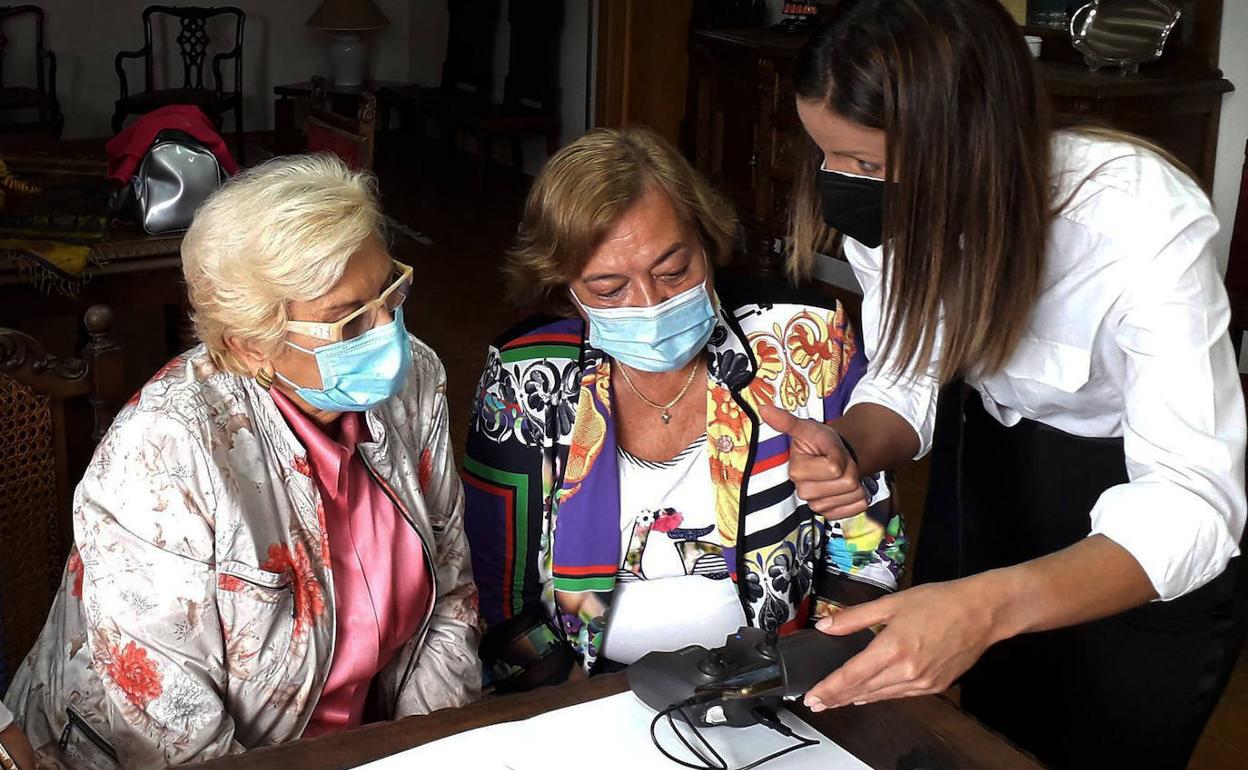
x,y
1133,690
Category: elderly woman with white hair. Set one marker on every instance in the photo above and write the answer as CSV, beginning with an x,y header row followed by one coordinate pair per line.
x,y
269,540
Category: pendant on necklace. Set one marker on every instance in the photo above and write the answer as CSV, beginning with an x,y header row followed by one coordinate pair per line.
x,y
666,417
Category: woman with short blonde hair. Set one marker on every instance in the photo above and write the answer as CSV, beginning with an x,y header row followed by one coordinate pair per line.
x,y
269,540
283,231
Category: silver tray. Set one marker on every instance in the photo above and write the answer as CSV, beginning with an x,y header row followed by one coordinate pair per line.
x,y
1122,33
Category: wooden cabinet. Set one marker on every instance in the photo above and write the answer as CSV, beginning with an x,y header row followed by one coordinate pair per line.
x,y
741,127
1178,111
642,64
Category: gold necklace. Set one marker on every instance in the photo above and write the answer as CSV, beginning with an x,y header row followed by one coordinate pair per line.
x,y
665,413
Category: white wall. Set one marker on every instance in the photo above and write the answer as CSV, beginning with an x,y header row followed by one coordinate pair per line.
x,y
277,48
576,66
427,41
1234,130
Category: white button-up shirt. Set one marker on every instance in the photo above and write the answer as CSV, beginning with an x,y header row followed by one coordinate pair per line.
x,y
1127,339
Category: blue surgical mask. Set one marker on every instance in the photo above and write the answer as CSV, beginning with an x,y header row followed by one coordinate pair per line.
x,y
360,373
658,338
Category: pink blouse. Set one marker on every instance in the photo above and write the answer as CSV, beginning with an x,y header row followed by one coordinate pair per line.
x,y
382,587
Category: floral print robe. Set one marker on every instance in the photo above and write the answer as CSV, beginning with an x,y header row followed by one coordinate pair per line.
x,y
196,614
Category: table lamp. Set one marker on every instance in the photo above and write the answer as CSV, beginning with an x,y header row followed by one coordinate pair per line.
x,y
348,20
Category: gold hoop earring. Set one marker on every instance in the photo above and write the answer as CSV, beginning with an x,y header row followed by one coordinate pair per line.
x,y
264,378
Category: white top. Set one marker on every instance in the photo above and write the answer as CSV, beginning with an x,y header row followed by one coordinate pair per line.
x,y
6,717
1127,339
673,588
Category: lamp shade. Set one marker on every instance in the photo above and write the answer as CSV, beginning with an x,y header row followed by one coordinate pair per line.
x,y
348,15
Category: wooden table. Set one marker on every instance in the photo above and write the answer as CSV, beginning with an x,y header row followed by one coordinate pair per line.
x,y
127,269
132,269
121,251
878,734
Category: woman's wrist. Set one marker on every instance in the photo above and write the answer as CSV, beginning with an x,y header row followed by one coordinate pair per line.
x,y
849,450
1003,595
881,438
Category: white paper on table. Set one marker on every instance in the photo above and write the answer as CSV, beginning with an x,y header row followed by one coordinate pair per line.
x,y
612,733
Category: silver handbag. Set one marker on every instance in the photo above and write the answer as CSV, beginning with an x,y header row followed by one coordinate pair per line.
x,y
176,176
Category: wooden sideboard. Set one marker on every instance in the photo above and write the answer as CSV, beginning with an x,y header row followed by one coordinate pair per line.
x,y
1178,111
741,127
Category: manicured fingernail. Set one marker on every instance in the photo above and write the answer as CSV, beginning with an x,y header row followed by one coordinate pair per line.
x,y
825,625
818,707
860,703
812,702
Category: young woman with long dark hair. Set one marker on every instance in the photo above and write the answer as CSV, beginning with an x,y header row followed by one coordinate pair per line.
x,y
1079,569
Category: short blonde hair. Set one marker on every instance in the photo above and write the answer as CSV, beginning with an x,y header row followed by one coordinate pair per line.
x,y
279,232
580,193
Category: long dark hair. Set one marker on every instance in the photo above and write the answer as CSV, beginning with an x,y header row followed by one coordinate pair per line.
x,y
967,135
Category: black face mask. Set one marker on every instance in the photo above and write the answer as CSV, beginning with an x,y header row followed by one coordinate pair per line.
x,y
853,206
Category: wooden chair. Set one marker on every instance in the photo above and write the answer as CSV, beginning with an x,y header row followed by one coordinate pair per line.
x,y
531,92
41,98
193,43
467,73
353,139
464,104
42,454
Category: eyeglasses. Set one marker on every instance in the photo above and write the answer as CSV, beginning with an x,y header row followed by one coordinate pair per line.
x,y
364,319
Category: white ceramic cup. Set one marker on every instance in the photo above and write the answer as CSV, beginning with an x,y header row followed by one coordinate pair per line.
x,y
1033,44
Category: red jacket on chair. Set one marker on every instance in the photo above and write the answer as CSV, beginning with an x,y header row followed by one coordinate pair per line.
x,y
126,150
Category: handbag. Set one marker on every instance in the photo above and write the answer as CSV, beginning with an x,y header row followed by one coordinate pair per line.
x,y
176,176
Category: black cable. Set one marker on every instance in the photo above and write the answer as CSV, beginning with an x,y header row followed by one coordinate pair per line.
x,y
667,712
765,717
770,719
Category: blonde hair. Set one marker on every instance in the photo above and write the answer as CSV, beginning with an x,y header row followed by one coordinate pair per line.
x,y
580,193
279,232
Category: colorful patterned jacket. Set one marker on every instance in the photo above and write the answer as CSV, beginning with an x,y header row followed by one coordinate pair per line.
x,y
196,615
541,478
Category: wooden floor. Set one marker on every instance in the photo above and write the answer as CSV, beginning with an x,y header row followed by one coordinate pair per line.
x,y
1224,746
457,307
